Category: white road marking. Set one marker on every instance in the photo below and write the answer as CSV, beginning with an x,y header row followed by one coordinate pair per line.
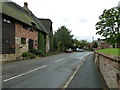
x,y
24,73
59,60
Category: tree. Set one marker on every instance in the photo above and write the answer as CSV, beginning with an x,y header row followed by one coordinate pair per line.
x,y
109,24
63,38
76,43
83,43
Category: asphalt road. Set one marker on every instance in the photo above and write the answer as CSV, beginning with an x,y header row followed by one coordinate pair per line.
x,y
48,72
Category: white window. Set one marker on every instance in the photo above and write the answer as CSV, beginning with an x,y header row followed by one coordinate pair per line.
x,y
6,20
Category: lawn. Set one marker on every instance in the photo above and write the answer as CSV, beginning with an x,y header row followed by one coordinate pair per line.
x,y
110,51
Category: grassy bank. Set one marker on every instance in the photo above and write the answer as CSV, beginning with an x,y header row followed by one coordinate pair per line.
x,y
110,51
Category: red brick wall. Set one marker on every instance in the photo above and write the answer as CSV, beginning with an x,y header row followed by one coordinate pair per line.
x,y
21,32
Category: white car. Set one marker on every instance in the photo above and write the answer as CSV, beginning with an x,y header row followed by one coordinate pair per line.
x,y
69,50
79,50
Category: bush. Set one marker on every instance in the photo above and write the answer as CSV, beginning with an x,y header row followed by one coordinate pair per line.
x,y
91,49
25,54
32,56
37,52
50,53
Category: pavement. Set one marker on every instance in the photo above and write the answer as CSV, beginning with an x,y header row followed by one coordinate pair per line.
x,y
88,76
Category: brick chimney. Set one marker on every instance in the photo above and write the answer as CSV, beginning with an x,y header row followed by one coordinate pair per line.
x,y
25,5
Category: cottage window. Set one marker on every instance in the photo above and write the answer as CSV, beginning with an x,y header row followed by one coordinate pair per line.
x,y
6,21
23,40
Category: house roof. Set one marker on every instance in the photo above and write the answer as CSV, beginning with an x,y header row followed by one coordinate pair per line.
x,y
22,14
47,23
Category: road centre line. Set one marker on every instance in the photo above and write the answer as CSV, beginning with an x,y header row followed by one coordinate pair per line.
x,y
59,60
24,73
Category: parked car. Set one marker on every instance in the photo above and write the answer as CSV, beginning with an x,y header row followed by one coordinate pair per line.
x,y
79,50
69,50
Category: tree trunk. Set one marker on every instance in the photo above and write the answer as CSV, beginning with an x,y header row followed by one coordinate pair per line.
x,y
118,45
118,42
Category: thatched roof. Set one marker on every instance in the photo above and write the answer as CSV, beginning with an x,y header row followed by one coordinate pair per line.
x,y
22,14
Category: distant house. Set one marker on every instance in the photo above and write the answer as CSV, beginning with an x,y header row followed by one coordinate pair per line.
x,y
20,29
101,44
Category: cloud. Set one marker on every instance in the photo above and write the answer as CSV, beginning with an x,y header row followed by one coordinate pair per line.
x,y
65,20
80,16
82,20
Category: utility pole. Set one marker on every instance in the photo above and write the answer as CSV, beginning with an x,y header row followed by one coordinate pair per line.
x,y
92,38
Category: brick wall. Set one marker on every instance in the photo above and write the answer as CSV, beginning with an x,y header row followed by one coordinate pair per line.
x,y
21,32
109,67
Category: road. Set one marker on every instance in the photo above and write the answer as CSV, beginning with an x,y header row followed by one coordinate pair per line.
x,y
47,72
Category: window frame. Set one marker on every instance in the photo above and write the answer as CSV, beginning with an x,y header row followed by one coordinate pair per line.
x,y
23,40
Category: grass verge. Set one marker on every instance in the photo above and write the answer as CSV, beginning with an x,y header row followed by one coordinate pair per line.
x,y
110,51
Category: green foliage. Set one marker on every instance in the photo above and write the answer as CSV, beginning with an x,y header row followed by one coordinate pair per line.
x,y
80,43
62,38
111,51
83,43
91,49
37,52
50,53
41,42
51,43
25,54
108,25
32,56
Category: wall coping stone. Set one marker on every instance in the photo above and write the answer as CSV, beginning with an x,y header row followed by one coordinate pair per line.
x,y
112,57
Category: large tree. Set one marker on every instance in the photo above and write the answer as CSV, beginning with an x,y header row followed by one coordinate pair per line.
x,y
63,38
83,43
109,24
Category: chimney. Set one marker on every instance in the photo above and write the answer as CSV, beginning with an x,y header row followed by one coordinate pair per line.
x,y
98,39
25,5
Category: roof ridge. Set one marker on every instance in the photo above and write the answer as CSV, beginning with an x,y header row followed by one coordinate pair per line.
x,y
22,14
22,8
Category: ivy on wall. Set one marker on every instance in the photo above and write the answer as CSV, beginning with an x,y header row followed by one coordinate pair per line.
x,y
41,41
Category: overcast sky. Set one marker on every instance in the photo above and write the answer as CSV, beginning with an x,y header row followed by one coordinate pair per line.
x,y
80,16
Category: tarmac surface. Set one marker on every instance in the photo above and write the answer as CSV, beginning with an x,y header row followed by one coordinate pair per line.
x,y
88,76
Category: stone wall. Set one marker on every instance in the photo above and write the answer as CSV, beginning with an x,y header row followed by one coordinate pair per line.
x,y
109,67
19,49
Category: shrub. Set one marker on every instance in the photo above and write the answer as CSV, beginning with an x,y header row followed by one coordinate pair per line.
x,y
32,56
91,49
37,52
25,54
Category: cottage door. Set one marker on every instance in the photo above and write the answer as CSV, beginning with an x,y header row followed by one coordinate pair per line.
x,y
30,45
